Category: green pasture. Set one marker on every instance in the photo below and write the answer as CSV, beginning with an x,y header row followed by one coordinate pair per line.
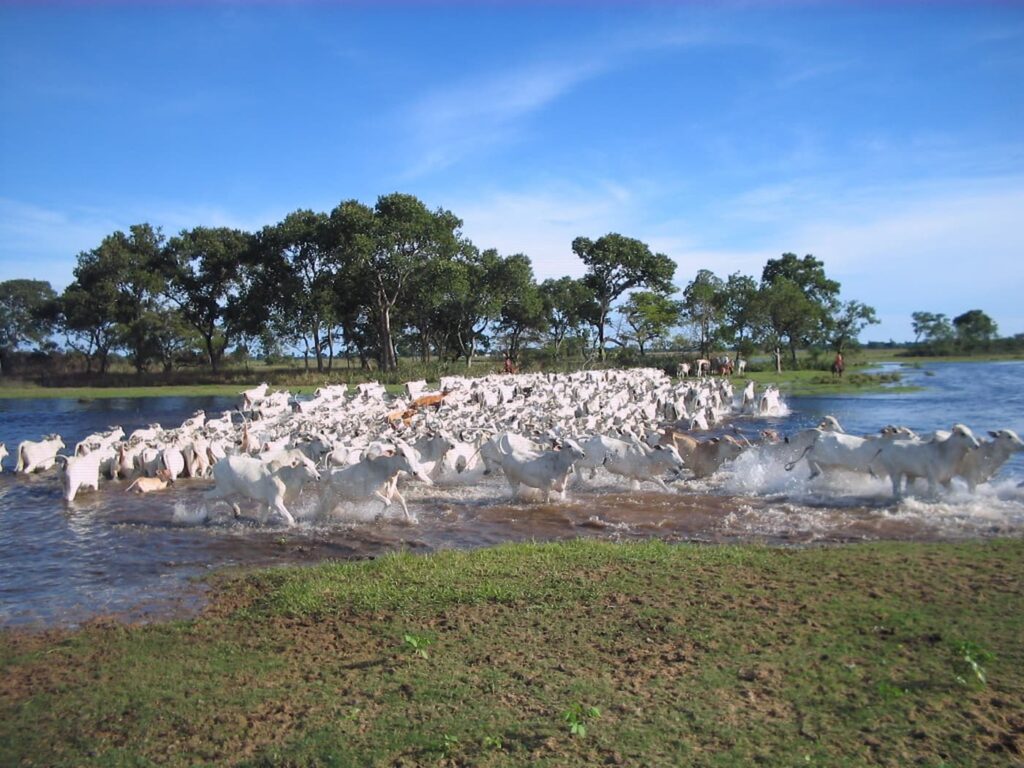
x,y
571,654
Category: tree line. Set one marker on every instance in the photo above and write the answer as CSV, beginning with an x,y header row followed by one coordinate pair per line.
x,y
973,331
396,279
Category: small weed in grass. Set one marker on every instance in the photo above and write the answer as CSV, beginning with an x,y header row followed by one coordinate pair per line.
x,y
449,745
577,716
417,645
493,743
968,661
890,692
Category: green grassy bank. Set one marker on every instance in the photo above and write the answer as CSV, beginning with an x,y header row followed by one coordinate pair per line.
x,y
575,654
813,382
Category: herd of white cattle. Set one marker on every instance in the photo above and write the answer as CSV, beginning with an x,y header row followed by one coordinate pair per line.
x,y
535,429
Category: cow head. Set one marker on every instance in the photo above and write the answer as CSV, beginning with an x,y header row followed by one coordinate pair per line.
x,y
410,463
964,433
1002,435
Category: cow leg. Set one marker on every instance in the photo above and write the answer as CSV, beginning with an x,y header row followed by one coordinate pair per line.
x,y
661,482
382,497
897,486
280,508
401,500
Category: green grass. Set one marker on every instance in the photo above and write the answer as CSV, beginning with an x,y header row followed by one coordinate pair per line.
x,y
815,382
667,654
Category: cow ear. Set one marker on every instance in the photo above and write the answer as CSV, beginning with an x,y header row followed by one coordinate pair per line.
x,y
994,434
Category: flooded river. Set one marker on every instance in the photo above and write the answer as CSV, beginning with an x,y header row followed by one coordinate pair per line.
x,y
112,552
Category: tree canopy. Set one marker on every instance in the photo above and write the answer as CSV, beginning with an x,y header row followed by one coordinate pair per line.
x,y
398,279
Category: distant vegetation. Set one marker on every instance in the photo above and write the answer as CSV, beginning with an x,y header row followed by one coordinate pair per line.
x,y
397,285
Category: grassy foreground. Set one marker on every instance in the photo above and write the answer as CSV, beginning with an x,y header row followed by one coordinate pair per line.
x,y
582,653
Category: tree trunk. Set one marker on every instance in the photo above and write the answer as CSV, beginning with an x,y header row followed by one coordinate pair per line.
x,y
600,333
387,347
210,353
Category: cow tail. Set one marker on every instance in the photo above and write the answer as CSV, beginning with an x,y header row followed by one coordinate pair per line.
x,y
794,462
871,469
21,459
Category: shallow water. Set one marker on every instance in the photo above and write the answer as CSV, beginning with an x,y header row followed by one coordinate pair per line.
x,y
112,552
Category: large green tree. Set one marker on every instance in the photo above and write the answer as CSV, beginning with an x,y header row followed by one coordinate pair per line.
x,y
204,268
797,301
304,258
134,260
932,328
616,264
649,316
704,308
88,310
848,322
975,329
398,239
568,303
740,319
23,316
522,307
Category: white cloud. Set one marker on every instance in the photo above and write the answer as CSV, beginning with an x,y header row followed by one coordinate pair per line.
x,y
43,244
943,247
470,116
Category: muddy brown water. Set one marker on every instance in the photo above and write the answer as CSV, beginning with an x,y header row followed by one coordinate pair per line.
x,y
139,556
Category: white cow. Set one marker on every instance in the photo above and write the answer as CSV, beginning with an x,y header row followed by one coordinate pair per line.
x,y
771,402
267,484
35,455
597,450
741,366
430,452
837,450
793,447
79,472
372,478
152,432
492,450
936,460
251,396
173,460
3,455
978,466
747,399
547,471
641,462
99,440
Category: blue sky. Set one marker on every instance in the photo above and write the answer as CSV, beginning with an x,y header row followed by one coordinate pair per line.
x,y
885,139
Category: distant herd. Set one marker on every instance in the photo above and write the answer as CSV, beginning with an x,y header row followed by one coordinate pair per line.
x,y
538,430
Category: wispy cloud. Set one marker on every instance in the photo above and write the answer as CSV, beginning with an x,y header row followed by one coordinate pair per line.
x,y
465,118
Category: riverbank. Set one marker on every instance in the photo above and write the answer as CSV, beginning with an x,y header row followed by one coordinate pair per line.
x,y
802,382
581,653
